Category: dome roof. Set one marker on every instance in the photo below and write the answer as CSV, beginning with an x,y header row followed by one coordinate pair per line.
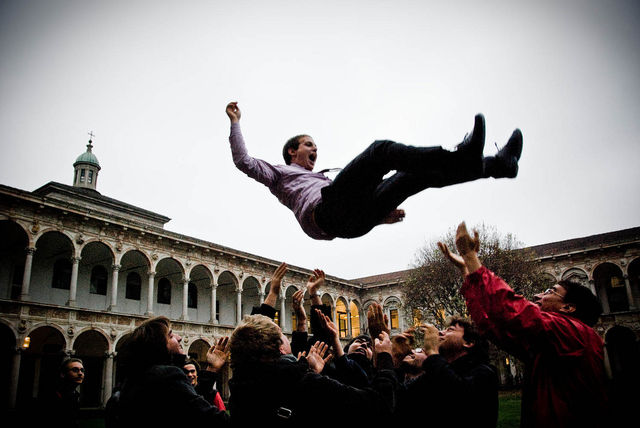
x,y
88,157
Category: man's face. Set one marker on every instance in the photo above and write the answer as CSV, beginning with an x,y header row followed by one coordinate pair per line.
x,y
192,373
451,341
361,346
551,300
173,343
74,373
306,153
412,363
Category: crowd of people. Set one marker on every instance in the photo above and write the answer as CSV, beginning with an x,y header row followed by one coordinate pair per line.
x,y
423,375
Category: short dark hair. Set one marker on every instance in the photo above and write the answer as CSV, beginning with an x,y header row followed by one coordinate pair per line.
x,y
194,362
66,362
292,143
588,307
146,346
471,335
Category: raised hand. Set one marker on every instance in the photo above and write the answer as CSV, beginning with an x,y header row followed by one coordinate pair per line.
x,y
218,354
457,260
431,339
233,112
464,242
382,343
332,331
298,309
316,357
377,321
276,283
401,346
315,282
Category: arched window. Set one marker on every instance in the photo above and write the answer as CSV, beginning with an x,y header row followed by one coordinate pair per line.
x,y
355,319
192,296
164,291
61,274
98,280
134,285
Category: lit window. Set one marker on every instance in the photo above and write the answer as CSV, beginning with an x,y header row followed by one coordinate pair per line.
x,y
341,311
355,319
394,319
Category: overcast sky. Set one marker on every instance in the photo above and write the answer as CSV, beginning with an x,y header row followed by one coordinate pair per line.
x,y
151,79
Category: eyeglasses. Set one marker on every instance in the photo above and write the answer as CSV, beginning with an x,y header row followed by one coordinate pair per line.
x,y
552,291
76,370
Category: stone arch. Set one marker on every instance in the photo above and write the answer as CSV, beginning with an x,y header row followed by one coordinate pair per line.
x,y
341,317
610,287
198,351
633,275
226,298
8,345
133,281
13,246
327,300
91,346
52,267
250,294
94,275
356,318
169,281
201,278
40,363
576,274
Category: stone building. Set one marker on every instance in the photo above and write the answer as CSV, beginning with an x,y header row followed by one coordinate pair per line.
x,y
79,270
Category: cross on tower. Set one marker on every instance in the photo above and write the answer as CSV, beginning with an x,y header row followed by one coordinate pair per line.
x,y
90,135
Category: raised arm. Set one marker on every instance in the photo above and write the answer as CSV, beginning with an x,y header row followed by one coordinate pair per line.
x,y
276,283
315,282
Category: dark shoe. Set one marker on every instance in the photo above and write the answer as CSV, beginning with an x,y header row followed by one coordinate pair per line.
x,y
473,144
505,162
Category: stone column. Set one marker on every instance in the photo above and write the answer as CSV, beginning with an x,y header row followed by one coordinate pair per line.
x,y
602,295
114,287
26,276
15,376
238,305
214,298
108,376
349,331
283,304
627,285
185,299
152,275
261,297
73,287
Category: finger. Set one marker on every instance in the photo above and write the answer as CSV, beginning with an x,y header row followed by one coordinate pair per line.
x,y
476,240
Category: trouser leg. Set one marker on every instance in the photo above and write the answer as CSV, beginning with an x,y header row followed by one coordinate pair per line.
x,y
359,198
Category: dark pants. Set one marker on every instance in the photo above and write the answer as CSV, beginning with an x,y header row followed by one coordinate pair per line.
x,y
359,198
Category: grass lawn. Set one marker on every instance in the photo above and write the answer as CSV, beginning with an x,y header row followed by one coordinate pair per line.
x,y
509,409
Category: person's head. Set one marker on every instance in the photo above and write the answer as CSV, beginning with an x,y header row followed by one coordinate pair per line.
x,y
300,150
570,298
191,369
72,371
461,337
153,342
360,345
257,339
412,363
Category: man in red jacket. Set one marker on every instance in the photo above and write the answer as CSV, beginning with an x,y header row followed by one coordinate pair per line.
x,y
565,381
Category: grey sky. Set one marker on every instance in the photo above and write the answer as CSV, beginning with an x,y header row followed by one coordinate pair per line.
x,y
152,78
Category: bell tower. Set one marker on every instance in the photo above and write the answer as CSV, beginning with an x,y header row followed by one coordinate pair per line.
x,y
86,168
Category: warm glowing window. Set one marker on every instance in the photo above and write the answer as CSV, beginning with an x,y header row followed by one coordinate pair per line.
x,y
393,318
341,311
355,319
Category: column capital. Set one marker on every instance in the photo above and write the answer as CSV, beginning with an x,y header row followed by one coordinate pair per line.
x,y
75,259
185,280
151,273
30,250
116,266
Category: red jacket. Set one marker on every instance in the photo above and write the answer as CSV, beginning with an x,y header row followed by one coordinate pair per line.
x,y
565,383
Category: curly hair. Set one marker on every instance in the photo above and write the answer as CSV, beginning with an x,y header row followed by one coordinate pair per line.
x,y
255,340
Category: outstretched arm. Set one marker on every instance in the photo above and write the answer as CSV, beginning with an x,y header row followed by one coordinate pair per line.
x,y
298,309
276,283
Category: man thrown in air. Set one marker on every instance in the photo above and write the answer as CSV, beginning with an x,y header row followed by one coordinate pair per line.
x,y
360,198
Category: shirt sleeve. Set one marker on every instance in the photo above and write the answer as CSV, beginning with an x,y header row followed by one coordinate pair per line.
x,y
257,169
518,325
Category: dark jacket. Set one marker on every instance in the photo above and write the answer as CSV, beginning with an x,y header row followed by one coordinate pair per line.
x,y
460,394
287,393
162,395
